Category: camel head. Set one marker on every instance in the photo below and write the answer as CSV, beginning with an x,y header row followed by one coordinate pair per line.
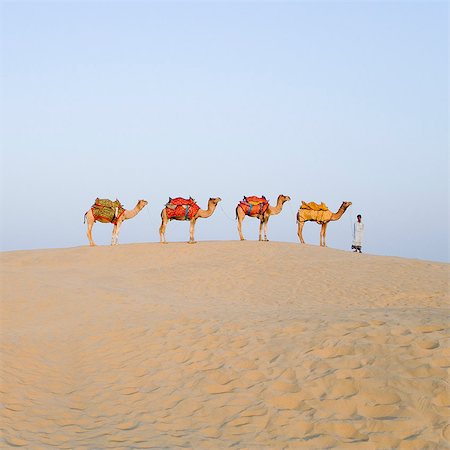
x,y
283,198
214,201
142,203
345,205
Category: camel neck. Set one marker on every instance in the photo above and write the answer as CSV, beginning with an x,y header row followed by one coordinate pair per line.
x,y
274,210
129,214
208,212
337,215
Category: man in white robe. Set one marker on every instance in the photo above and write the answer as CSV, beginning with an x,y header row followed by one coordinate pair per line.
x,y
358,232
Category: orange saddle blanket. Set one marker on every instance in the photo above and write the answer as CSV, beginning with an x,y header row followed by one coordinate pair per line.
x,y
254,206
181,209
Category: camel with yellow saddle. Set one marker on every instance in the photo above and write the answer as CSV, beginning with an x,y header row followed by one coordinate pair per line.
x,y
313,212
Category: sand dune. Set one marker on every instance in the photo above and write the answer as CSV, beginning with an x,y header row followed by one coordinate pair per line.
x,y
223,344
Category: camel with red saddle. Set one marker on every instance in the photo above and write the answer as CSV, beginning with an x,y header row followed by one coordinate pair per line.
x,y
107,211
258,207
185,209
312,212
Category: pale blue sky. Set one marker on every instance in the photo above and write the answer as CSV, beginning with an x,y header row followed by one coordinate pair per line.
x,y
323,101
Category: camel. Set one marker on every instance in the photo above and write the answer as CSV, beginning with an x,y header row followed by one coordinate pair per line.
x,y
263,218
321,217
200,214
127,214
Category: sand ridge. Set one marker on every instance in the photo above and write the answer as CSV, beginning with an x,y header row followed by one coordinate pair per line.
x,y
223,344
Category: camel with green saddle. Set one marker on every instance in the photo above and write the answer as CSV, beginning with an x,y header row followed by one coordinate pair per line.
x,y
185,206
107,211
313,212
241,212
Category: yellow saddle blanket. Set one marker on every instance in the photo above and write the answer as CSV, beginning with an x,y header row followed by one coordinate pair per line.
x,y
314,206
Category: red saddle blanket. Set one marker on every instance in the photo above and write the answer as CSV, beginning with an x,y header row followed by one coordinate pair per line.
x,y
181,209
254,206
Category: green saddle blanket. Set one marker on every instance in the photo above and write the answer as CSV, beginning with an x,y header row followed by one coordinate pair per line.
x,y
107,210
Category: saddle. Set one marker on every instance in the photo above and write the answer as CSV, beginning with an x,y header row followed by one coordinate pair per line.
x,y
180,208
107,210
314,206
254,206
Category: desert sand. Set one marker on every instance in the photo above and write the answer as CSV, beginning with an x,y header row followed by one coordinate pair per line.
x,y
223,345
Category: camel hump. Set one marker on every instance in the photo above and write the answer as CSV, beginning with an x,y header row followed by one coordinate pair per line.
x,y
314,206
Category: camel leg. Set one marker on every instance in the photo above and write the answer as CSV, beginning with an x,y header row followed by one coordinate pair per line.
x,y
113,235
240,217
116,234
191,232
300,231
324,234
265,230
162,232
261,224
90,224
162,229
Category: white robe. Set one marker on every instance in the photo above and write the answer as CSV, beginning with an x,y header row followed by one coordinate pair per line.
x,y
358,232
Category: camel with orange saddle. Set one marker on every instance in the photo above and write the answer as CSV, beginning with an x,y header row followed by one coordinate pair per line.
x,y
107,211
313,212
185,209
260,208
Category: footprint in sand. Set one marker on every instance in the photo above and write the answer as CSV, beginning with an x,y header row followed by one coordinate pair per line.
x,y
385,397
250,378
284,386
254,411
127,425
428,344
347,432
342,389
211,432
429,328
16,441
378,411
446,433
335,351
222,376
298,429
219,388
442,399
287,401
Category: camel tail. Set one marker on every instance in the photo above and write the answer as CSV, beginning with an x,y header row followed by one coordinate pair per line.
x,y
85,214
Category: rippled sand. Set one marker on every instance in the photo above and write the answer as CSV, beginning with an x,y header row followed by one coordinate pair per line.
x,y
223,344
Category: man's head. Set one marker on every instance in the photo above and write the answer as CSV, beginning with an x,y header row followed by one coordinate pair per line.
x,y
359,217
